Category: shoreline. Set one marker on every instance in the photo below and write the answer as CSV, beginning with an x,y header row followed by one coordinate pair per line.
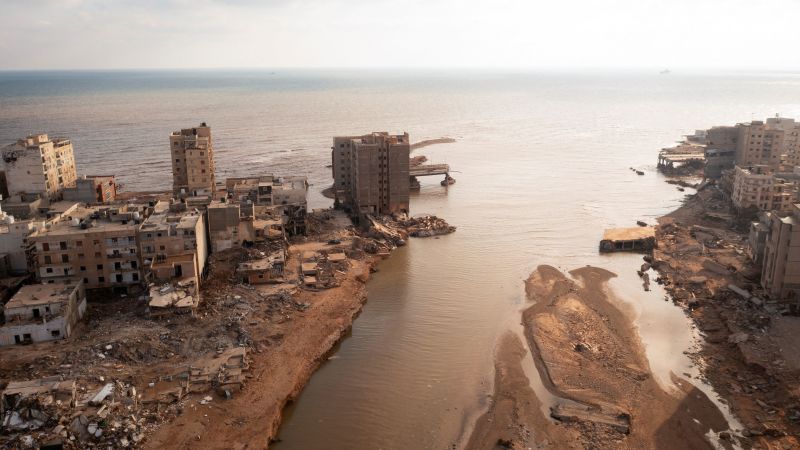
x,y
742,353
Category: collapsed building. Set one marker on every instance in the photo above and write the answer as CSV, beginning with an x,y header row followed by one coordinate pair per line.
x,y
269,197
371,173
174,250
43,312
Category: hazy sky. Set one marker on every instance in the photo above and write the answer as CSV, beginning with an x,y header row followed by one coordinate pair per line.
x,y
86,34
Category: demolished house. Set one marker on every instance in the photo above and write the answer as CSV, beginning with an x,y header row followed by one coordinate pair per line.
x,y
268,269
177,297
43,312
30,405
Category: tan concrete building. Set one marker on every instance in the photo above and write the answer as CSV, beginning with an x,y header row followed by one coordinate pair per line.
x,y
371,172
758,187
43,312
780,275
192,154
173,246
772,142
39,165
270,197
93,189
95,244
226,226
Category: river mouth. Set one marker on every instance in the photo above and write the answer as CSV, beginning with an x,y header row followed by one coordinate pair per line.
x,y
418,367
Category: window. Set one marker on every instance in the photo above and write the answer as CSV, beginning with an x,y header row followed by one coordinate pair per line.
x,y
96,242
85,281
133,264
118,265
79,243
99,267
62,245
80,255
49,270
135,277
119,278
45,246
47,259
65,258
83,268
55,333
101,279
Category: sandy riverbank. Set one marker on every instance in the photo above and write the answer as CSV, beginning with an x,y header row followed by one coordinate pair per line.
x,y
588,354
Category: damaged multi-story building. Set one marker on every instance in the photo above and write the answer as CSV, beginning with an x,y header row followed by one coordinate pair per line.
x,y
43,312
192,154
174,250
96,244
269,197
371,173
780,273
38,165
93,189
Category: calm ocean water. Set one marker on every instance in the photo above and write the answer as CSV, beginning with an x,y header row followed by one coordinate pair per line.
x,y
543,163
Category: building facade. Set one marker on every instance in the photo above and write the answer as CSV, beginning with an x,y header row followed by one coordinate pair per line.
x,y
39,165
192,154
92,189
780,274
772,142
174,246
43,312
95,244
371,172
758,187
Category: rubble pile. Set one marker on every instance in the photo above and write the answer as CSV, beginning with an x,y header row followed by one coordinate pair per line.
x,y
427,226
702,262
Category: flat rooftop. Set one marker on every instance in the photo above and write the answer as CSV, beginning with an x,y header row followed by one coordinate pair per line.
x,y
165,220
41,294
629,234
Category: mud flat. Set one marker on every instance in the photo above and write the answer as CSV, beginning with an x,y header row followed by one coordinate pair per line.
x,y
588,354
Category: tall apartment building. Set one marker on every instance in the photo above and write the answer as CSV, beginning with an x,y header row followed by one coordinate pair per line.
x,y
95,244
780,275
758,187
39,165
770,143
192,162
371,172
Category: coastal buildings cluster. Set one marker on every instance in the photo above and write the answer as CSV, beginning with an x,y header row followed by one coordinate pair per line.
x,y
61,229
756,165
63,235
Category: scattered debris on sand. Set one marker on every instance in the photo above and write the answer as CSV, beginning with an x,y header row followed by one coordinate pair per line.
x,y
746,355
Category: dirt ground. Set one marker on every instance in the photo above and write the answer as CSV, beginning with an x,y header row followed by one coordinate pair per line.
x,y
588,354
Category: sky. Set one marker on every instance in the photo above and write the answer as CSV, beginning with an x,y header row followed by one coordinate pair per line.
x,y
508,34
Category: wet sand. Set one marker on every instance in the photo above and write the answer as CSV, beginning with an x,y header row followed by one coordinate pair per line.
x,y
588,354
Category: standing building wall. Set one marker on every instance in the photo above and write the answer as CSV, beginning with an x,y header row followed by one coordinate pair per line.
x,y
780,274
39,165
193,167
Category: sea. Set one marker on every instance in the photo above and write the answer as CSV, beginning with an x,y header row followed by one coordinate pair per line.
x,y
542,162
